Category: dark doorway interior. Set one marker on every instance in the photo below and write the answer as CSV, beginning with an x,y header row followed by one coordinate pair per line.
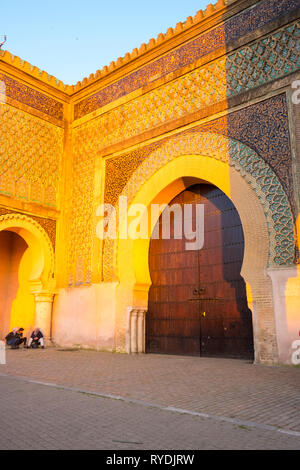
x,y
197,300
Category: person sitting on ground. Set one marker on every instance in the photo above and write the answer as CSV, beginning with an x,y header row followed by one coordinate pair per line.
x,y
15,338
36,338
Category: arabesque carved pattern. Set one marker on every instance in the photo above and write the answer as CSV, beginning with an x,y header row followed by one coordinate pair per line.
x,y
82,231
49,225
264,60
33,98
30,155
247,21
259,63
248,163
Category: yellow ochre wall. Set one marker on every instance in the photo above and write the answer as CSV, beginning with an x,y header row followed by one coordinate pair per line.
x,y
12,250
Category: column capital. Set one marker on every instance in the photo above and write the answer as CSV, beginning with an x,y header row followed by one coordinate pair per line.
x,y
43,296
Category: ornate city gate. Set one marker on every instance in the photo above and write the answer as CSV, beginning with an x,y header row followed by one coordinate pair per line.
x,y
197,300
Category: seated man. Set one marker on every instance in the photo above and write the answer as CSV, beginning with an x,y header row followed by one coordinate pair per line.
x,y
36,338
15,338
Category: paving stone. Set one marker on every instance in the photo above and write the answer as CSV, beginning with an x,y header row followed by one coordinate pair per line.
x,y
267,397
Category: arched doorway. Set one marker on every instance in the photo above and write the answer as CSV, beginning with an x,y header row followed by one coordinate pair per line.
x,y
26,274
213,159
197,301
12,249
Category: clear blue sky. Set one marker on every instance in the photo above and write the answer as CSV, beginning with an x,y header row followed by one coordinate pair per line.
x,y
71,39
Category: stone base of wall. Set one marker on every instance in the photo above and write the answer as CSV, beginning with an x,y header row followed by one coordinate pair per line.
x,y
101,317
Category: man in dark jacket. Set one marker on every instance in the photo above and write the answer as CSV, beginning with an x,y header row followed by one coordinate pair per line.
x,y
36,338
15,338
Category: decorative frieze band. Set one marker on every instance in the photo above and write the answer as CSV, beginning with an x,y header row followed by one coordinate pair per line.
x,y
261,62
221,36
30,156
33,98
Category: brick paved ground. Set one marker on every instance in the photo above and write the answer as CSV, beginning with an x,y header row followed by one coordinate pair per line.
x,y
223,389
50,418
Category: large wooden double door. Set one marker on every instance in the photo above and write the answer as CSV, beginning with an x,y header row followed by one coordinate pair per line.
x,y
197,300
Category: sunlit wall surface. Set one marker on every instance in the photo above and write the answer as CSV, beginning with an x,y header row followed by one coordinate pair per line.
x,y
215,99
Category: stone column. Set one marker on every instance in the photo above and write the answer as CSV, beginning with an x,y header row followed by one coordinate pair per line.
x,y
141,330
133,331
43,313
135,337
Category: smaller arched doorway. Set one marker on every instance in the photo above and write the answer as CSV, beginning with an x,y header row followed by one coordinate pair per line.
x,y
26,275
12,277
197,301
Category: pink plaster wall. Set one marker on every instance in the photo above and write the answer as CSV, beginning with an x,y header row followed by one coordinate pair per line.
x,y
85,317
286,298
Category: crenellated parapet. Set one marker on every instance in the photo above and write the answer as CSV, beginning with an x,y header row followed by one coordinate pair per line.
x,y
200,17
10,59
153,43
